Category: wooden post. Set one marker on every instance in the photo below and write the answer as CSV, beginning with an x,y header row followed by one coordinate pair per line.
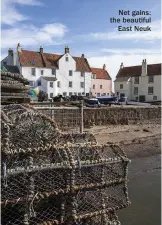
x,y
81,117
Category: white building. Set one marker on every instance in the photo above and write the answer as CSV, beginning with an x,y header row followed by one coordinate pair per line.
x,y
140,83
52,73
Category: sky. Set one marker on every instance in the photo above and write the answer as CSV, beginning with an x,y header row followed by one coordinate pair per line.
x,y
83,25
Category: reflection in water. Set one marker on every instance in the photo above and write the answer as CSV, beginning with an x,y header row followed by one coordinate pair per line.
x,y
144,192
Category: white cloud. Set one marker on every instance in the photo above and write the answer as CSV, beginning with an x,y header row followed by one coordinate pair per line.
x,y
154,34
29,35
135,51
113,61
10,15
56,29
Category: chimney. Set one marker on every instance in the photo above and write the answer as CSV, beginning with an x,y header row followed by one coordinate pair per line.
x,y
82,55
66,49
144,67
10,52
104,67
121,65
41,49
19,47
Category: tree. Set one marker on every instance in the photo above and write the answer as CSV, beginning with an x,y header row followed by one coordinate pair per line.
x,y
42,96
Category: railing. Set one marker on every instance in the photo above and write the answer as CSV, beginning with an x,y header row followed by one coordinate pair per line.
x,y
68,118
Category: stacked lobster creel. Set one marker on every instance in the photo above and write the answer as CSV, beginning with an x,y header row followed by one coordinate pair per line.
x,y
54,178
13,88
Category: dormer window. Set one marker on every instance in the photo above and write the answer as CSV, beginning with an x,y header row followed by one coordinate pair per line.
x,y
33,62
53,72
67,59
93,76
33,71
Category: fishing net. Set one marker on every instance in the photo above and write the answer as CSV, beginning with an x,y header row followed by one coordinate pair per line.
x,y
53,178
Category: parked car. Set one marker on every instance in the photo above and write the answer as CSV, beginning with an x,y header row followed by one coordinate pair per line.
x,y
107,100
123,101
92,102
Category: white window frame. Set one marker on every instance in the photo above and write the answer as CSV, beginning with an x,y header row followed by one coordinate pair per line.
x,y
151,93
70,73
70,82
82,84
50,84
136,81
152,79
122,86
58,84
135,88
33,70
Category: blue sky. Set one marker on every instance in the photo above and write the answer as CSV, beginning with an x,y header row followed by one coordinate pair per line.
x,y
83,25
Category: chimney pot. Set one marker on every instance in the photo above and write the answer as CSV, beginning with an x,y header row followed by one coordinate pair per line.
x,y
122,65
19,47
144,67
67,49
41,49
10,51
104,67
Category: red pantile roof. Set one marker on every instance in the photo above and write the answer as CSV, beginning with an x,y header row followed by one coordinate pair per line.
x,y
132,71
36,59
101,73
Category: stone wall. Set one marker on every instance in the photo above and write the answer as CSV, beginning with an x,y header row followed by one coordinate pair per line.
x,y
119,115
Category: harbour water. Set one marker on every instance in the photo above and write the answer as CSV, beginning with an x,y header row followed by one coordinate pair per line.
x,y
144,192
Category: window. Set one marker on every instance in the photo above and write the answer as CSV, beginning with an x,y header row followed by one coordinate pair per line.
x,y
64,93
108,93
53,71
70,93
87,94
121,86
83,93
98,94
82,74
151,79
4,63
136,80
70,73
70,84
150,90
136,98
93,86
67,59
51,95
103,94
117,93
58,84
75,93
51,84
79,94
100,86
33,71
42,71
31,83
82,84
154,97
135,90
93,76
39,82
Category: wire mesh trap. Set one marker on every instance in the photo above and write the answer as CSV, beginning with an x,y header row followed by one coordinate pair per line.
x,y
52,178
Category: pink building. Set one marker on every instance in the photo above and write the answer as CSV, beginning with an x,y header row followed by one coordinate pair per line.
x,y
101,82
